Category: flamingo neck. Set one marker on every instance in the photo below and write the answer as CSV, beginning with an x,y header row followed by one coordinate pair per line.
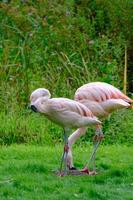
x,y
74,136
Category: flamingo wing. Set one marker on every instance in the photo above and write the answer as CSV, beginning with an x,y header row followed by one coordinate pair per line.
x,y
99,92
69,113
64,104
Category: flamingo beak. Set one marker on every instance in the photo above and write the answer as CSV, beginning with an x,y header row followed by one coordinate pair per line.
x,y
33,108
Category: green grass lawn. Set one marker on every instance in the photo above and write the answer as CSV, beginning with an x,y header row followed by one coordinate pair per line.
x,y
26,173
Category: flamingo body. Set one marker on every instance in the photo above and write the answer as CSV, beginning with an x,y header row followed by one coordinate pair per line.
x,y
102,98
65,112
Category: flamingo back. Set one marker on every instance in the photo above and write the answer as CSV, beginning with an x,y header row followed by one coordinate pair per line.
x,y
66,112
60,104
99,92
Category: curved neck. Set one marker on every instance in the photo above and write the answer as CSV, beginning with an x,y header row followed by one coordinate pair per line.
x,y
74,136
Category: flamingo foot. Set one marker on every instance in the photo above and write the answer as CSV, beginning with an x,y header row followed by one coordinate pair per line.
x,y
93,173
61,174
83,172
87,171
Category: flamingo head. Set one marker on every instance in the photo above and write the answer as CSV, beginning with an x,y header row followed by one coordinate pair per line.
x,y
38,98
40,92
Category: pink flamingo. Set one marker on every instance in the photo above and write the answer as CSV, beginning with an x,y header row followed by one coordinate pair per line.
x,y
102,99
65,112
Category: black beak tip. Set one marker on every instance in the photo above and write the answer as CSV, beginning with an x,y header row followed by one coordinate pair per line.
x,y
33,108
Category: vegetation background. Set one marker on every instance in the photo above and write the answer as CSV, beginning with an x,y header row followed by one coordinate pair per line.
x,y
61,45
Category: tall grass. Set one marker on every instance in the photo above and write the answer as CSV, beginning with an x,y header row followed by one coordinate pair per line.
x,y
58,45
33,128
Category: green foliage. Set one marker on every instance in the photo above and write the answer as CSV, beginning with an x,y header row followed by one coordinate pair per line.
x,y
27,173
28,127
118,128
59,45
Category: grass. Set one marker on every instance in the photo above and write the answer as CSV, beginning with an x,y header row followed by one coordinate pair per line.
x,y
26,174
31,128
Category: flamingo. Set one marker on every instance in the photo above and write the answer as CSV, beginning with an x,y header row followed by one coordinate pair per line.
x,y
102,99
65,112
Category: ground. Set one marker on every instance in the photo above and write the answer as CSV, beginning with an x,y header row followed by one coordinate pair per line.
x,y
26,173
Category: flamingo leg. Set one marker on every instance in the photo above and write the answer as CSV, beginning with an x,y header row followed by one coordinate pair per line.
x,y
71,141
65,153
97,140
